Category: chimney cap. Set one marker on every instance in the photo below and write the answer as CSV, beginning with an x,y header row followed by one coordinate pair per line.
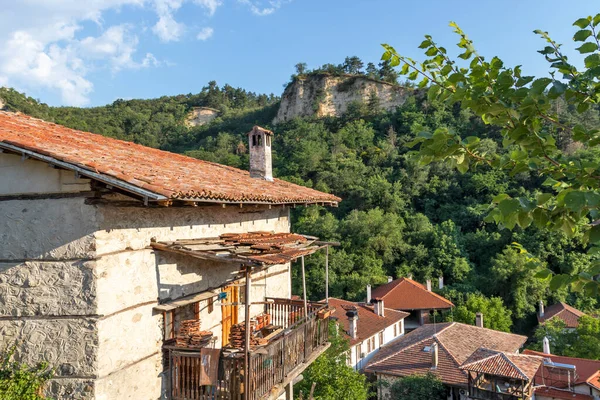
x,y
257,129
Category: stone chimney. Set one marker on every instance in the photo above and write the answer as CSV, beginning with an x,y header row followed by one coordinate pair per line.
x,y
368,294
390,278
541,310
353,320
378,307
410,276
429,285
441,282
479,320
435,357
546,345
259,141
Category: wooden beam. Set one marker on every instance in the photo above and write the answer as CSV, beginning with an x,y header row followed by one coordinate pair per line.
x,y
247,338
327,275
304,288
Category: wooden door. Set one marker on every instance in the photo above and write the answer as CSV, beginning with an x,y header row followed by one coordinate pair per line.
x,y
229,311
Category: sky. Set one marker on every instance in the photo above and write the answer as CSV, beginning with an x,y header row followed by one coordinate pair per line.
x,y
92,52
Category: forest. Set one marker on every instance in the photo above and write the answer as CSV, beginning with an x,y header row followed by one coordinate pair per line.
x,y
398,217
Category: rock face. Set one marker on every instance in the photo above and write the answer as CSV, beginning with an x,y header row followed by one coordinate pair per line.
x,y
201,116
327,95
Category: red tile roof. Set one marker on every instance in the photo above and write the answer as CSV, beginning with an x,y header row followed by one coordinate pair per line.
x,y
406,294
160,174
588,371
568,314
508,365
457,342
561,394
369,323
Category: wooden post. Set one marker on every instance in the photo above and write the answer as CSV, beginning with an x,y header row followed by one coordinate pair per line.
x,y
304,288
247,338
327,275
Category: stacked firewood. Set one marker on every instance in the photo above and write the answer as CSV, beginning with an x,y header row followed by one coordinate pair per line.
x,y
190,335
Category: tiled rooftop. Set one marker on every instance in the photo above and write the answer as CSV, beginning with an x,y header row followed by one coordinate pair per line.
x,y
588,371
457,342
508,365
369,323
406,294
570,315
166,176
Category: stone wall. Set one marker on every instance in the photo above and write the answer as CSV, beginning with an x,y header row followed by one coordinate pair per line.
x,y
327,95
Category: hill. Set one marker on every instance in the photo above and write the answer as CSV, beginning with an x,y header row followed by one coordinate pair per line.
x,y
396,218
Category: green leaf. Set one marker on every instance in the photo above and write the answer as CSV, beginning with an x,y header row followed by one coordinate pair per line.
x,y
431,51
509,206
595,234
575,200
386,56
593,60
524,219
543,198
547,50
539,85
500,197
582,22
596,20
581,35
404,69
425,43
587,47
544,274
559,281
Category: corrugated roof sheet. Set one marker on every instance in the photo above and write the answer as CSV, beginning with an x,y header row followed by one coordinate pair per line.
x,y
169,175
406,294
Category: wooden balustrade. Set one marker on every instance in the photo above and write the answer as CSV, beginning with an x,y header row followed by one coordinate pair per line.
x,y
269,364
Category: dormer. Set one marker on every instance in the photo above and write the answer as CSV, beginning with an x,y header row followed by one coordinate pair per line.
x,y
259,140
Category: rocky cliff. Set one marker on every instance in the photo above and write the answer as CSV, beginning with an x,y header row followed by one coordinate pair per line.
x,y
328,95
200,116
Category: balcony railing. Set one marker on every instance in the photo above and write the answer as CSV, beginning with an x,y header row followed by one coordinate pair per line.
x,y
270,365
481,394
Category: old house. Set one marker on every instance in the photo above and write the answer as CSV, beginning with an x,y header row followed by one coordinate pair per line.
x,y
566,378
132,270
419,301
444,349
569,315
366,327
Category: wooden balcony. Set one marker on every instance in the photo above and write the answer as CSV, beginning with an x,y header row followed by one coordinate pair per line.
x,y
296,344
483,394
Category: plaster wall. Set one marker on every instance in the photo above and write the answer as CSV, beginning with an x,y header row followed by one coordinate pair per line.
x,y
138,386
18,176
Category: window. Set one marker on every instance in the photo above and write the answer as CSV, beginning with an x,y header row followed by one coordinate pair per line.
x,y
395,330
368,346
358,352
373,343
259,138
169,321
210,307
254,140
380,338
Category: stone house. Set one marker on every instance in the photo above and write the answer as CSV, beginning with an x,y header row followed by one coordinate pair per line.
x,y
111,253
407,295
367,328
449,350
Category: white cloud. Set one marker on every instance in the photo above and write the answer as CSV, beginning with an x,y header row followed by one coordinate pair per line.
x,y
210,5
263,8
167,29
205,33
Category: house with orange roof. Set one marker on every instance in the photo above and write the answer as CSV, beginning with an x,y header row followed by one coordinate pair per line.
x,y
467,359
566,378
367,327
407,295
142,274
569,315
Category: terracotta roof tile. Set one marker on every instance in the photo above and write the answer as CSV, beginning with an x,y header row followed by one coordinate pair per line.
x,y
457,342
406,294
369,323
166,174
568,314
508,365
588,371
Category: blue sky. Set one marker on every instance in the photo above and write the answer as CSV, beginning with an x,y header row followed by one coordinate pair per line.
x,y
87,53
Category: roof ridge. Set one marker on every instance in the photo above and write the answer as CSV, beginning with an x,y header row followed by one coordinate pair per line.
x,y
507,358
437,339
494,354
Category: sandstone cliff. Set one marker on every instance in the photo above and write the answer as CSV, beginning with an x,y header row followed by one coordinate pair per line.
x,y
328,95
200,116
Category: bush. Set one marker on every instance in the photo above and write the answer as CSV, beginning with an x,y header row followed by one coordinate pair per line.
x,y
19,381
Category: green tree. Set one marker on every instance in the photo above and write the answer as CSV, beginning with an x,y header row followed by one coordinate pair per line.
x,y
333,377
353,65
495,315
300,68
418,387
582,342
19,381
524,109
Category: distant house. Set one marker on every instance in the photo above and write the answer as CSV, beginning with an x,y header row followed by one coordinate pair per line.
x,y
142,274
563,311
367,328
444,349
420,302
566,378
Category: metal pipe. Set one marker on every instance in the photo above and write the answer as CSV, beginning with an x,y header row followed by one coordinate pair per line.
x,y
304,288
